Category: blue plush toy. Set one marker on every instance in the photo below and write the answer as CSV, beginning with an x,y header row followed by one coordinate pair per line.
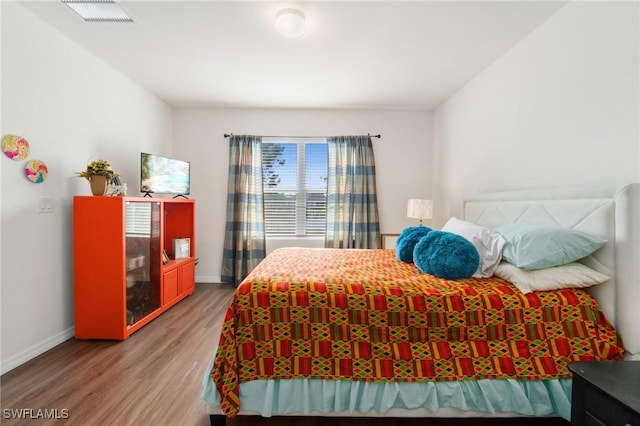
x,y
407,240
446,255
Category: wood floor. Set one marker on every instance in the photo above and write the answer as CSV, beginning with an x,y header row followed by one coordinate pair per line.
x,y
154,377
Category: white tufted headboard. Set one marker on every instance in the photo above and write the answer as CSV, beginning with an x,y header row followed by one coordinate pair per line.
x,y
613,215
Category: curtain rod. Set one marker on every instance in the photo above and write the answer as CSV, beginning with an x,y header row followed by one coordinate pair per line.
x,y
228,135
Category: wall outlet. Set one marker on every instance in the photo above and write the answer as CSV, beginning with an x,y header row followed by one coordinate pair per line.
x,y
45,205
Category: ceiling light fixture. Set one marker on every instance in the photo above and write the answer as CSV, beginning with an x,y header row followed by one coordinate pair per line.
x,y
290,23
99,10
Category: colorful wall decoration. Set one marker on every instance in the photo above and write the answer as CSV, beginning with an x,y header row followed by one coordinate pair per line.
x,y
17,148
36,171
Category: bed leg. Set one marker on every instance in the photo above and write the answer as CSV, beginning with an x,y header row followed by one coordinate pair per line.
x,y
218,419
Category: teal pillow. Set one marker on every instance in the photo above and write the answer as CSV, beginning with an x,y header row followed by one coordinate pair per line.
x,y
407,240
537,247
446,255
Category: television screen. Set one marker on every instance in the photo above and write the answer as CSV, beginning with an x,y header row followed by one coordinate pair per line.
x,y
163,175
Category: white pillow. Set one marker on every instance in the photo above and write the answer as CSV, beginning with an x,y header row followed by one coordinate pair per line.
x,y
488,243
539,247
571,275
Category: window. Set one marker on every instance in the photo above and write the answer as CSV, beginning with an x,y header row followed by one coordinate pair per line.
x,y
295,187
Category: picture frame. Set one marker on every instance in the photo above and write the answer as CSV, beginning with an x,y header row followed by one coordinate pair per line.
x,y
181,248
165,257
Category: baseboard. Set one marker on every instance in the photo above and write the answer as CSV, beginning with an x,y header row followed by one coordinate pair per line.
x,y
209,279
40,348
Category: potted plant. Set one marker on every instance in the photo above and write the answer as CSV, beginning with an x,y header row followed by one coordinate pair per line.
x,y
100,175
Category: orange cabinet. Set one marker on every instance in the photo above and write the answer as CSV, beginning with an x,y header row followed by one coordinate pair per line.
x,y
125,273
178,280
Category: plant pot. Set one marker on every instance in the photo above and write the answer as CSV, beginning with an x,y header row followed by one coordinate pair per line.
x,y
98,184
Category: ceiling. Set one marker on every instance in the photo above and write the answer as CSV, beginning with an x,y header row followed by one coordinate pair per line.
x,y
354,54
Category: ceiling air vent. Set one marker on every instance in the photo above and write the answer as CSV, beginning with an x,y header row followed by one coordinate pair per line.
x,y
99,10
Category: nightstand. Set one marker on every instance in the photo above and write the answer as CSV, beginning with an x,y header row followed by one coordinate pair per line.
x,y
388,241
605,393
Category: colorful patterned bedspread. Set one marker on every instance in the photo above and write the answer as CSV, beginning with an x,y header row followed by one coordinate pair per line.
x,y
363,315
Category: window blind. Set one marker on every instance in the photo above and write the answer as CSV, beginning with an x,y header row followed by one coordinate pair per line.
x,y
295,187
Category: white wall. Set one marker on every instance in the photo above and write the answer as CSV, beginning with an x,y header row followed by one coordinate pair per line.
x,y
72,108
560,108
403,162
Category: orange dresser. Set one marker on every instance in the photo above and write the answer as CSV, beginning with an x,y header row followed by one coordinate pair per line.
x,y
125,271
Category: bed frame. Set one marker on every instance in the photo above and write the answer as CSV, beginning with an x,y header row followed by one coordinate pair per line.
x,y
611,214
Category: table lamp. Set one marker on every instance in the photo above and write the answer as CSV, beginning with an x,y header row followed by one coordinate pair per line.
x,y
420,209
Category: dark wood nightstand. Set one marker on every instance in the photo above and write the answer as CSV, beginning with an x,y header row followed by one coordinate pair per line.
x,y
605,393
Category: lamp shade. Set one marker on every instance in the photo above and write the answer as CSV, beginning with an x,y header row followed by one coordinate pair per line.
x,y
420,209
290,23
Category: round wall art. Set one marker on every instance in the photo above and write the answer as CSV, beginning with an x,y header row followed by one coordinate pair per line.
x,y
36,171
15,147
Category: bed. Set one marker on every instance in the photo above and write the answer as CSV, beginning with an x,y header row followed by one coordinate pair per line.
x,y
321,332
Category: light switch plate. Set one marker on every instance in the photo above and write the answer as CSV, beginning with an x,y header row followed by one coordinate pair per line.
x,y
45,205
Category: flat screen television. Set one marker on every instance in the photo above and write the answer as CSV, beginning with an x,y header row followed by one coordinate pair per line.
x,y
164,175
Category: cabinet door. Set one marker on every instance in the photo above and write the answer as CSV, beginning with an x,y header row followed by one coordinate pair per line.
x,y
142,230
169,286
187,278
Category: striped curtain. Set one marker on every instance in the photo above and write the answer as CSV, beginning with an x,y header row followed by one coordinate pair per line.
x,y
352,204
244,240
